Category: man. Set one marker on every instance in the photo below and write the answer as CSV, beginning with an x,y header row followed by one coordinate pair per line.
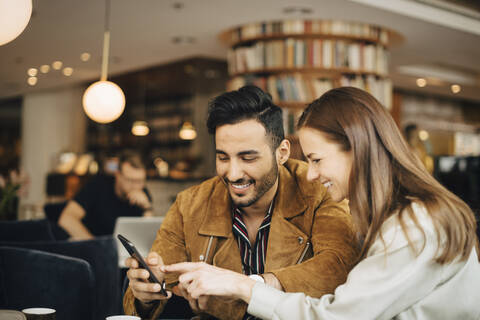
x,y
100,202
259,216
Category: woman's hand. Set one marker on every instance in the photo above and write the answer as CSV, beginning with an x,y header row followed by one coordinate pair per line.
x,y
201,279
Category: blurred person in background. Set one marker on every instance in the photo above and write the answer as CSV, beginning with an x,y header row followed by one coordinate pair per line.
x,y
95,208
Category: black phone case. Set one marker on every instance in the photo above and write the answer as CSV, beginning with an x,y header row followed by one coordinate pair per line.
x,y
133,252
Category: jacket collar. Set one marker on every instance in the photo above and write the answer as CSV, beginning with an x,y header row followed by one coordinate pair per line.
x,y
289,202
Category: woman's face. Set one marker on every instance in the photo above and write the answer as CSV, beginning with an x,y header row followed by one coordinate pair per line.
x,y
327,163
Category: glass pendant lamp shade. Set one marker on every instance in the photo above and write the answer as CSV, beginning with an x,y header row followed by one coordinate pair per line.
x,y
14,17
187,131
140,128
103,101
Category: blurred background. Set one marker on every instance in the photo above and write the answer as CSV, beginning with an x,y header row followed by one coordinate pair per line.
x,y
418,57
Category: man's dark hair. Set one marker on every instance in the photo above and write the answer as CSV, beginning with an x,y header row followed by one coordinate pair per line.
x,y
248,102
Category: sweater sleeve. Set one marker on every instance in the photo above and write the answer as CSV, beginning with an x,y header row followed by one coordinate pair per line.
x,y
387,282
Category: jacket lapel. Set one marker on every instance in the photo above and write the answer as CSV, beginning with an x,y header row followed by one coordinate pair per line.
x,y
218,217
286,241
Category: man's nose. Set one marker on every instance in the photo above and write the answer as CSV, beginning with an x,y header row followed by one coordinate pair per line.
x,y
235,171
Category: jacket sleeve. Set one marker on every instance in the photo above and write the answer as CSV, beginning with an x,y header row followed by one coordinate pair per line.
x,y
335,252
170,245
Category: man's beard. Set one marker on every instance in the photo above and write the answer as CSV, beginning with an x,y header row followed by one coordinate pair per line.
x,y
261,186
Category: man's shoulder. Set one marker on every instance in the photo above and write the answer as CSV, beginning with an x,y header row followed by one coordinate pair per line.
x,y
297,170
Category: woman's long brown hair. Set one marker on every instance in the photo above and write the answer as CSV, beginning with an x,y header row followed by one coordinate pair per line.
x,y
386,176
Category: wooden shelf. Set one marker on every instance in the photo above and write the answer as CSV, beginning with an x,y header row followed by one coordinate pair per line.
x,y
282,36
318,72
263,31
292,104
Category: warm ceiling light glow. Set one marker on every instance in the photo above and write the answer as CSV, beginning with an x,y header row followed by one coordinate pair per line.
x,y
140,128
85,56
14,17
32,81
421,82
67,71
32,72
103,101
44,68
57,65
423,135
456,88
187,132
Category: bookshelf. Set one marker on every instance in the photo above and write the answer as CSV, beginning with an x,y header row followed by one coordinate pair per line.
x,y
296,61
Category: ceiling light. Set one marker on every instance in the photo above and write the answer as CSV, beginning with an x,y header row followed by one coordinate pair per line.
x,y
104,101
446,73
187,132
32,81
455,88
44,68
140,128
423,135
421,82
183,40
85,56
14,15
32,72
57,65
67,71
177,5
298,10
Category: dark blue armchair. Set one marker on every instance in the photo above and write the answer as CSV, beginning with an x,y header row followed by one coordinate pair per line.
x,y
101,254
32,278
26,231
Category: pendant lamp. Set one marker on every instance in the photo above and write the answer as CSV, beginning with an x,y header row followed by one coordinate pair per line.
x,y
187,131
14,18
104,101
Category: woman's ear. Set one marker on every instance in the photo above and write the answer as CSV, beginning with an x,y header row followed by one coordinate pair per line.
x,y
283,151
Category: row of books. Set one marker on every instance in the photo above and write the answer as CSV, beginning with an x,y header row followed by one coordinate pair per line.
x,y
306,88
315,27
309,53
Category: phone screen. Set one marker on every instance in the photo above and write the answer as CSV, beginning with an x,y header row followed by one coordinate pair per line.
x,y
137,256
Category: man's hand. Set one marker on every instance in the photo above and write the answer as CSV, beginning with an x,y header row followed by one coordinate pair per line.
x,y
142,289
139,198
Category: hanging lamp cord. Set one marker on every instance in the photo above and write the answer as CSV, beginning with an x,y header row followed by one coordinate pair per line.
x,y
106,42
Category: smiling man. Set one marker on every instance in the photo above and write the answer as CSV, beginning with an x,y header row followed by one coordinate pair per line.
x,y
259,216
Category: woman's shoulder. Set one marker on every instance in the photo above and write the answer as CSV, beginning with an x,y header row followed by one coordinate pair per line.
x,y
413,224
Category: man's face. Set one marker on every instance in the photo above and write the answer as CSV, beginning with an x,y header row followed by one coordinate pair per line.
x,y
129,179
245,161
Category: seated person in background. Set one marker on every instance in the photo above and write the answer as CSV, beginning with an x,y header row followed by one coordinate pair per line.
x,y
420,255
260,216
95,208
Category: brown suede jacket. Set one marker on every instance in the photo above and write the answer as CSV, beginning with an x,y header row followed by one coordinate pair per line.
x,y
311,246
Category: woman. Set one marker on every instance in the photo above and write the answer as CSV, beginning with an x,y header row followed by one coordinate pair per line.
x,y
419,257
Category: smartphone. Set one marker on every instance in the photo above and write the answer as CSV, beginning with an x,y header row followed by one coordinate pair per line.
x,y
137,256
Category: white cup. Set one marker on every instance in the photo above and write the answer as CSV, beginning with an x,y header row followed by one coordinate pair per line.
x,y
39,313
122,318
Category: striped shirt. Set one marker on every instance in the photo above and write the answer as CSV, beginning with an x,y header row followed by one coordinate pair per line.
x,y
253,256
